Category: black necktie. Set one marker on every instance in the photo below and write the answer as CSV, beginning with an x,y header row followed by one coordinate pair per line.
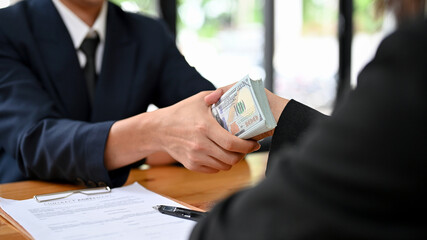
x,y
88,47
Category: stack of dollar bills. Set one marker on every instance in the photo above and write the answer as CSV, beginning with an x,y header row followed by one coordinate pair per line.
x,y
244,110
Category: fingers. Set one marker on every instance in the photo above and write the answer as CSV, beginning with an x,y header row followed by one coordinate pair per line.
x,y
263,135
227,157
204,169
213,97
198,141
208,154
202,162
230,142
216,95
217,164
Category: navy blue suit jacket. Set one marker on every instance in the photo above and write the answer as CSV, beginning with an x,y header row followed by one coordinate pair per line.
x,y
47,130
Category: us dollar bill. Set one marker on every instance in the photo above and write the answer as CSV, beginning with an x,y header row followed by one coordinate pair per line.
x,y
244,110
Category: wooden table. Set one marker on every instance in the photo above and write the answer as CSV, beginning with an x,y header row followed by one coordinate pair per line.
x,y
196,189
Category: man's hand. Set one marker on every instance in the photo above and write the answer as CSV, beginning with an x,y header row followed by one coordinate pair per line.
x,y
191,135
186,131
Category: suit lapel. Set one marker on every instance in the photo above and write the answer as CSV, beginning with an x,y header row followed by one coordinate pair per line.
x,y
115,81
60,58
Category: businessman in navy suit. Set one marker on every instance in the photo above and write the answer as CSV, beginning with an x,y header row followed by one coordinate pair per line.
x,y
66,115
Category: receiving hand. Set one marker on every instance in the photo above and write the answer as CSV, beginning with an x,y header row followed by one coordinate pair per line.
x,y
192,136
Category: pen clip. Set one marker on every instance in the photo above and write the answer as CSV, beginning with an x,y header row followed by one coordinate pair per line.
x,y
60,195
185,213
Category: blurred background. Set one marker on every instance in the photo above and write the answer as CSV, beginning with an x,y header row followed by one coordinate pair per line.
x,y
294,44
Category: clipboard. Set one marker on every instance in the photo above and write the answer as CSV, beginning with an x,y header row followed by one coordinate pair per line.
x,y
61,195
42,220
49,197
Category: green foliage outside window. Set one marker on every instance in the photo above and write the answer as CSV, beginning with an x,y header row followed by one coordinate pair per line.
x,y
365,19
215,15
220,14
143,6
321,16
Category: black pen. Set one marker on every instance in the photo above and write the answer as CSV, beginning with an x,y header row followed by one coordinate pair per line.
x,y
180,212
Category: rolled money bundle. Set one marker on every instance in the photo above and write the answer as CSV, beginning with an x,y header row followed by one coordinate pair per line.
x,y
244,110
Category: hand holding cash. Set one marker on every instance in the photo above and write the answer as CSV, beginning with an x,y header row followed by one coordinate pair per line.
x,y
244,110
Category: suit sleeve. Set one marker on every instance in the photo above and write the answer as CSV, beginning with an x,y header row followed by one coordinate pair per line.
x,y
178,80
359,174
34,133
293,123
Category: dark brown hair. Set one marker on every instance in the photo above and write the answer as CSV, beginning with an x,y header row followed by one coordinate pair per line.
x,y
404,10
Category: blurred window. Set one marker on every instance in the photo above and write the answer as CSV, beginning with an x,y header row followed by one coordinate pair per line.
x,y
306,55
223,39
370,28
4,3
148,7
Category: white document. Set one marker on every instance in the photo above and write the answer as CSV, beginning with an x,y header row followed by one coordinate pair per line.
x,y
124,213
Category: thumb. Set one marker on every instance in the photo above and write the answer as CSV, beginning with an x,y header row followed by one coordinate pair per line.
x,y
216,95
213,97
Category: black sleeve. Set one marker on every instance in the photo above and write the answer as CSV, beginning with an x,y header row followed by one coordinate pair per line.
x,y
360,174
294,121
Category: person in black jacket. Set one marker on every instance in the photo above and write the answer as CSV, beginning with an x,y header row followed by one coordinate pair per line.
x,y
359,174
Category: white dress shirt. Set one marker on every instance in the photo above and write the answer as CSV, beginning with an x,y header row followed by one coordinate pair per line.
x,y
79,30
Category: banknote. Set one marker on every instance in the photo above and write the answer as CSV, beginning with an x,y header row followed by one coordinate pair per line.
x,y
244,110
